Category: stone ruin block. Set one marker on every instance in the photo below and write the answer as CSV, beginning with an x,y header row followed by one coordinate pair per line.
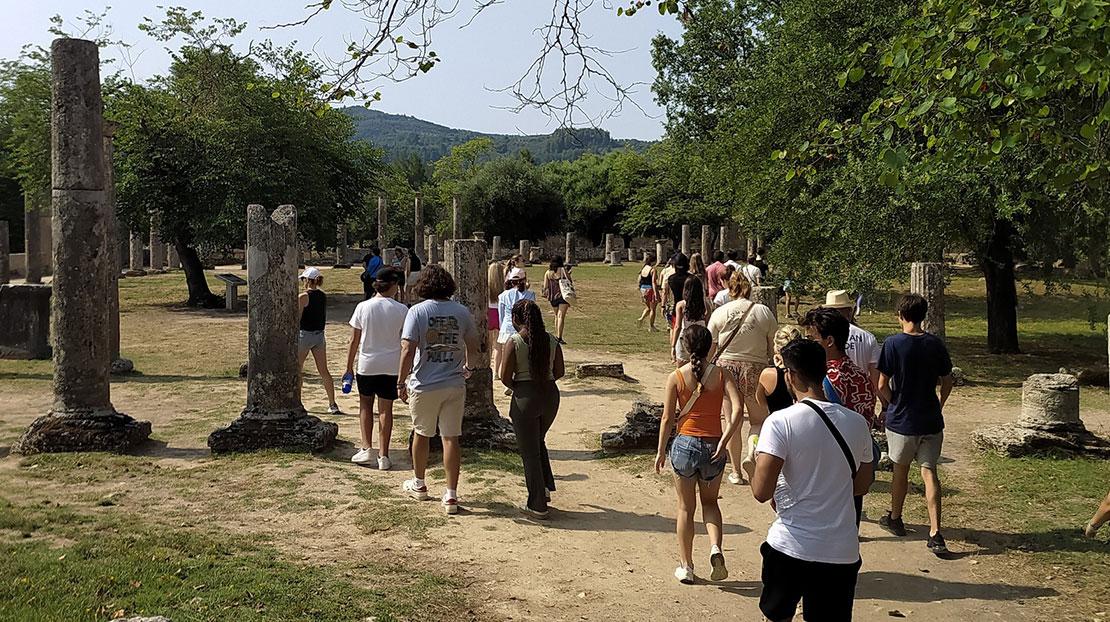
x,y
601,370
25,316
1049,421
640,429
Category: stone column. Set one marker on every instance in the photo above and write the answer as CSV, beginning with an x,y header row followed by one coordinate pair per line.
x,y
482,424
137,251
456,220
722,239
608,246
631,254
706,247
173,260
523,252
5,254
157,249
535,254
769,296
685,246
119,364
274,417
433,248
496,248
418,228
615,259
383,220
568,252
341,246
927,279
36,235
660,248
751,247
82,418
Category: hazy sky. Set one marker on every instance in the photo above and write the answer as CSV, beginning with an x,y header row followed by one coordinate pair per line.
x,y
490,53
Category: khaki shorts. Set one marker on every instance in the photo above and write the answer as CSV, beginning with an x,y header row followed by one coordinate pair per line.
x,y
925,449
442,408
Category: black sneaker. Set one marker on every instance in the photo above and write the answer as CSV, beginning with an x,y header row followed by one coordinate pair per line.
x,y
894,525
936,545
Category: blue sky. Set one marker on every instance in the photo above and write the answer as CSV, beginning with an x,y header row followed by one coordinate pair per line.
x,y
490,53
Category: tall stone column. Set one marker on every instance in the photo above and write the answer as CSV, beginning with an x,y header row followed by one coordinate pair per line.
x,y
341,246
706,247
722,239
660,249
456,220
524,246
685,240
927,279
418,228
751,247
608,247
383,221
482,424
82,417
274,417
569,250
36,235
433,248
496,248
157,249
769,296
173,260
5,254
137,251
119,364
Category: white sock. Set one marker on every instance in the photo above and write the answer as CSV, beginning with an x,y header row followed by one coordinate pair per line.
x,y
419,482
713,550
451,494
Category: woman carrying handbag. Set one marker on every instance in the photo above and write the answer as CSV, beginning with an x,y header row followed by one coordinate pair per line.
x,y
558,288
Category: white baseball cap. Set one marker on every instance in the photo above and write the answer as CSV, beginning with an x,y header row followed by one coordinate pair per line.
x,y
516,274
310,273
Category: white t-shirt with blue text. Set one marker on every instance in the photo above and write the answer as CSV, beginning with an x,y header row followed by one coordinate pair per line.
x,y
439,328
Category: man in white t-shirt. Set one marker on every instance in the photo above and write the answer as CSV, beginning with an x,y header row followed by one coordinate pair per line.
x,y
751,271
812,549
862,346
376,342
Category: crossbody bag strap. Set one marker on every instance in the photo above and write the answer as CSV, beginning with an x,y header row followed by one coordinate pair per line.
x,y
836,434
743,318
685,412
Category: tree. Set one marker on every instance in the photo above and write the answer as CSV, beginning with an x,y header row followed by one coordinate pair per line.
x,y
25,90
512,198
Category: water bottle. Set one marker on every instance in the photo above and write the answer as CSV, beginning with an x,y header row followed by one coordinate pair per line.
x,y
348,380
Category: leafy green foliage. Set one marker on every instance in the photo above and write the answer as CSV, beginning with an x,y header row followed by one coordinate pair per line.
x,y
511,197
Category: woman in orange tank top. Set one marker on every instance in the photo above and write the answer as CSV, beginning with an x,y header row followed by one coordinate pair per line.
x,y
695,392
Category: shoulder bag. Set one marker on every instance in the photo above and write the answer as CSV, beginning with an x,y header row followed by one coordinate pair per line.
x,y
566,288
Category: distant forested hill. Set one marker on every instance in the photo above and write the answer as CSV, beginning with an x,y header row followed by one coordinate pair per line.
x,y
399,135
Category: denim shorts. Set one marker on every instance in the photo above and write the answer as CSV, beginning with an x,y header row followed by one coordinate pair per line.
x,y
692,458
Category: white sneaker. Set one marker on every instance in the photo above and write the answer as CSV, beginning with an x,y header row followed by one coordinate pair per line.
x,y
450,504
684,574
418,493
383,463
362,457
334,409
717,561
734,478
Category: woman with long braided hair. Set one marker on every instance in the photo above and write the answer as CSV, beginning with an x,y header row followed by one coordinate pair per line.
x,y
531,362
696,392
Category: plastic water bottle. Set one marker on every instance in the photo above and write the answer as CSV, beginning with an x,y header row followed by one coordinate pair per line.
x,y
348,380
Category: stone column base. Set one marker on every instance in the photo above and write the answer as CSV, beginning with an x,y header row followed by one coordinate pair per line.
x,y
82,430
493,432
122,366
291,430
1027,438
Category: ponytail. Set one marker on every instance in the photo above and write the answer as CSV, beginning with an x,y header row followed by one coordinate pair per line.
x,y
528,317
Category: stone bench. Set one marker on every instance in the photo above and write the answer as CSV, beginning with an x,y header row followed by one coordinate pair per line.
x,y
231,295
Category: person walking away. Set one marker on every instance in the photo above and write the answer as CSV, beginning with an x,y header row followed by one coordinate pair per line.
x,y
649,292
732,257
811,459
696,391
1102,514
372,262
752,273
759,262
554,294
793,298
697,268
412,274
673,286
516,289
495,284
714,275
771,395
531,362
438,340
689,312
862,347
743,335
845,384
313,306
375,345
724,296
911,365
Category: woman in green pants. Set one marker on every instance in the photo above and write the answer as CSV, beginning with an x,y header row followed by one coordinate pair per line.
x,y
531,362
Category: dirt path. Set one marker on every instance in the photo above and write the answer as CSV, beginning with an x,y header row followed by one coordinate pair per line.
x,y
608,550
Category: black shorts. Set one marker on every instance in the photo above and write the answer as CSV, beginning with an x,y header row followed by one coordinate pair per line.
x,y
826,591
558,302
383,386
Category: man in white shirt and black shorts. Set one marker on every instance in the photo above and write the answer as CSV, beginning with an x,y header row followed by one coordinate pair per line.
x,y
823,453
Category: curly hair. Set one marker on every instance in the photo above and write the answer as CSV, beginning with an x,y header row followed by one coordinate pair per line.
x,y
739,286
528,319
435,283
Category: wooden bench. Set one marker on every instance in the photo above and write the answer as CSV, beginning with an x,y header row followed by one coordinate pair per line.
x,y
231,295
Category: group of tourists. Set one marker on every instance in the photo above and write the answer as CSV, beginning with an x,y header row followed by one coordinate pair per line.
x,y
423,352
812,396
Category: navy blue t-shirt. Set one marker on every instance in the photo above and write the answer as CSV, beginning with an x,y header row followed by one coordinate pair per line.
x,y
914,363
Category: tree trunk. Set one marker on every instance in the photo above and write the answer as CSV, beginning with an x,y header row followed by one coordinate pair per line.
x,y
997,262
199,294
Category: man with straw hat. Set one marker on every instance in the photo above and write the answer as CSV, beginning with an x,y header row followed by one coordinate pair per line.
x,y
862,347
